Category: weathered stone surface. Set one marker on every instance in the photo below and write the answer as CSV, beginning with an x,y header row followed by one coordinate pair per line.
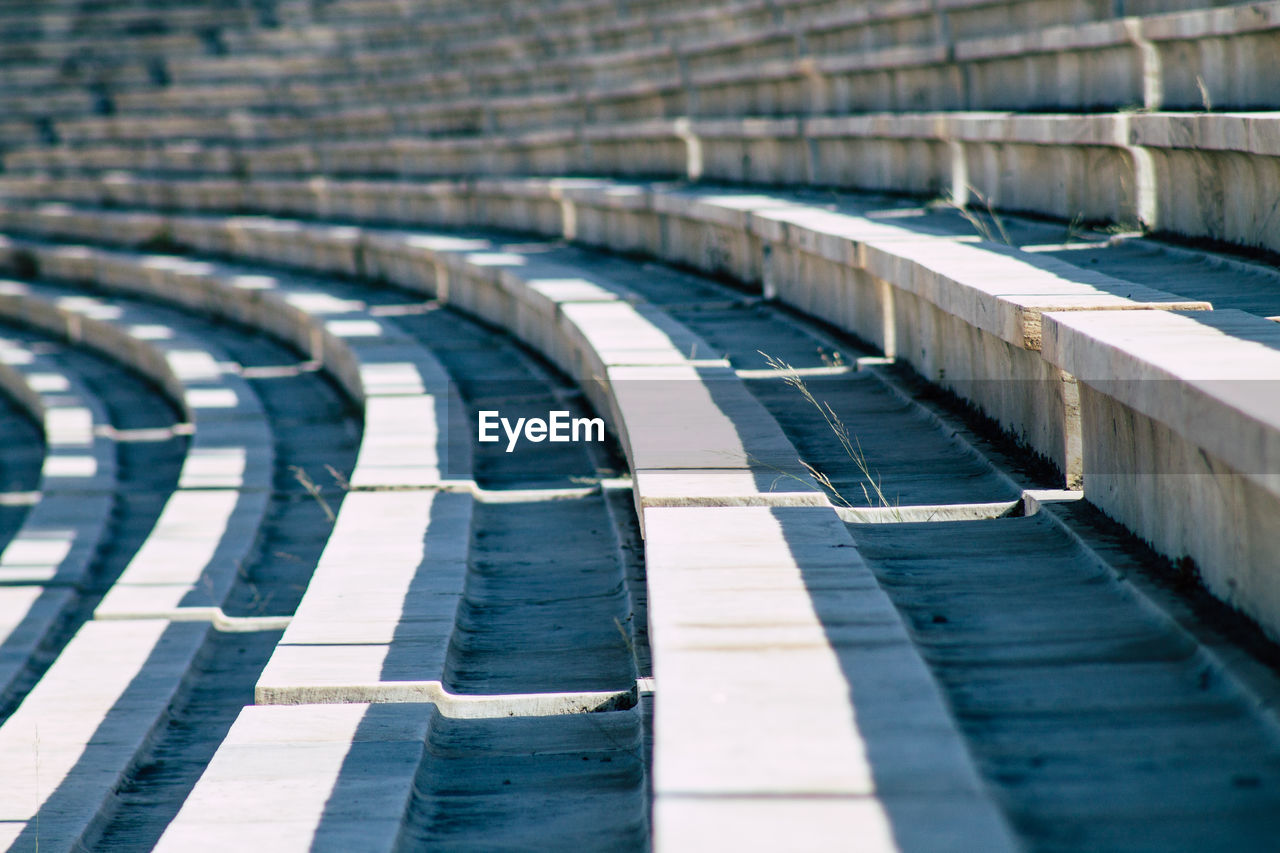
x,y
1180,434
766,620
391,574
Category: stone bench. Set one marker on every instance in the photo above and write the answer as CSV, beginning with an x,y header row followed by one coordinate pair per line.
x,y
270,784
759,615
378,614
655,389
1105,63
381,463
860,28
411,415
224,483
728,232
1181,437
858,704
98,704
52,551
1223,164
57,17
339,638
409,406
18,133
1114,168
23,49
964,316
57,102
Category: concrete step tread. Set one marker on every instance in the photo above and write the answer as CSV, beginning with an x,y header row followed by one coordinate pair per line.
x,y
78,476
74,737
274,778
61,534
227,471
769,617
391,575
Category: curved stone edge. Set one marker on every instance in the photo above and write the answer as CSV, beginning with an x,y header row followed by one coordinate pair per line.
x,y
104,697
1117,167
410,410
225,479
1181,441
850,272
965,316
798,65
52,551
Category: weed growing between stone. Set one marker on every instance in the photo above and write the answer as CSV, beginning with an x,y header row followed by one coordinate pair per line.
x,y
848,443
975,219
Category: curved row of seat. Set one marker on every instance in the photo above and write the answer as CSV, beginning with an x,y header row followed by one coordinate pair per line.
x,y
578,318
53,549
711,38
1117,168
101,705
136,652
77,713
968,317
945,308
1184,61
330,249
696,545
1111,167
